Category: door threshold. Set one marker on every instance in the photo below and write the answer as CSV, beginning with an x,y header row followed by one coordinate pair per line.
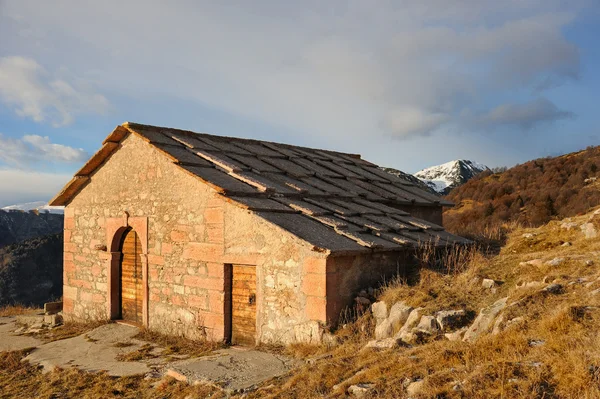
x,y
128,323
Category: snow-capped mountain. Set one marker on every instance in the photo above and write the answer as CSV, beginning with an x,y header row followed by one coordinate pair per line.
x,y
41,206
443,178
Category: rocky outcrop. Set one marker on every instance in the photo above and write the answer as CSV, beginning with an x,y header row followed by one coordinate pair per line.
x,y
484,320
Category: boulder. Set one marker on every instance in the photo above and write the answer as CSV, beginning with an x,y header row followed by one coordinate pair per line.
x,y
414,388
456,335
413,319
555,261
398,315
567,225
451,319
589,230
554,288
428,325
484,320
488,283
360,390
379,310
383,329
407,337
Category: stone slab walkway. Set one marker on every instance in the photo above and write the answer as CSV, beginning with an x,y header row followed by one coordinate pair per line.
x,y
13,342
233,368
97,350
94,351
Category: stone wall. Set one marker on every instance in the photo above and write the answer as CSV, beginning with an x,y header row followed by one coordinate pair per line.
x,y
192,232
347,275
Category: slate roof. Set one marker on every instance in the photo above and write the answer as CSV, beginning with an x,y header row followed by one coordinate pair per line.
x,y
333,200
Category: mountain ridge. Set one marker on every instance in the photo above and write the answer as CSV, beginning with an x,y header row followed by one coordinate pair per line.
x,y
445,177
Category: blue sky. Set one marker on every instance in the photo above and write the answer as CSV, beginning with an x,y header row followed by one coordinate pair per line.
x,y
407,84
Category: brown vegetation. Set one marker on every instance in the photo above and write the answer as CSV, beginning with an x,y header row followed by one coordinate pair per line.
x,y
529,195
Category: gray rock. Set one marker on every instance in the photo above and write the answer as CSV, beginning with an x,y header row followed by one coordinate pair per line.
x,y
566,244
456,335
555,262
360,390
488,283
428,325
399,314
383,329
379,310
536,342
528,235
589,263
589,230
413,319
484,320
414,388
451,319
407,337
554,289
568,225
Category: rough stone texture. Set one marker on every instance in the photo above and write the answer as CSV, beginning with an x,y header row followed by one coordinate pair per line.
x,y
233,369
428,325
456,335
191,233
347,274
484,320
488,283
380,310
589,230
414,388
360,390
94,351
398,315
413,319
11,341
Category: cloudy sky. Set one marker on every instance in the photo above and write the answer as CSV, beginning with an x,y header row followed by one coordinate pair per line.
x,y
407,84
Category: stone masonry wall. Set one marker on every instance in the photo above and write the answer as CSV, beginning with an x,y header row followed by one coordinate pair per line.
x,y
192,233
347,275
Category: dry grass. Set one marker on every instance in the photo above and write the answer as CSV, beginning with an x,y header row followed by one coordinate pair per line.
x,y
22,380
178,345
143,353
15,310
553,354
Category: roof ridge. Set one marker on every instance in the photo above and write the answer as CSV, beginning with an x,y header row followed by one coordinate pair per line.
x,y
133,125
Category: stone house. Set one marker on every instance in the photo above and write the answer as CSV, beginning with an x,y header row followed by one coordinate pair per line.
x,y
227,238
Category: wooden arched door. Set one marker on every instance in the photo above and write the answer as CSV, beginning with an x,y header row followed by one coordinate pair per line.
x,y
130,274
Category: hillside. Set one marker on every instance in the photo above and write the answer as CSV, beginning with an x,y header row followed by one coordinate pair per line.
x,y
529,194
522,324
31,271
16,226
444,178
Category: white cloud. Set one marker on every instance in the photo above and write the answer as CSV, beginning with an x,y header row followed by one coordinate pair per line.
x,y
18,186
33,93
525,115
32,149
334,70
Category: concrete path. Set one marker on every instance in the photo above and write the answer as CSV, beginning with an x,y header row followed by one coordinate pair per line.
x,y
232,368
94,351
13,342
